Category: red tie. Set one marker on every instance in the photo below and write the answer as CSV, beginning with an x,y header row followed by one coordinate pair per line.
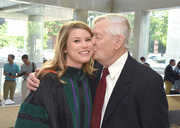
x,y
99,100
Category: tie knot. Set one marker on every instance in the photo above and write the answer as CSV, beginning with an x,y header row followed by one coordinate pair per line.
x,y
105,71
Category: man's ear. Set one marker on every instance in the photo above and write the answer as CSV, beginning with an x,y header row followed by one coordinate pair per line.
x,y
119,41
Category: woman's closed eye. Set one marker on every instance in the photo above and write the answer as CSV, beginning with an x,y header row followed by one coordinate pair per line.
x,y
98,37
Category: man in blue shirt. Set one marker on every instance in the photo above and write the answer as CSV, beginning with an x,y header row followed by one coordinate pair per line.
x,y
11,71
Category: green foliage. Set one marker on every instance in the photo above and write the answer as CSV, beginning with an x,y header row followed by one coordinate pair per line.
x,y
52,27
45,39
8,40
3,35
158,30
130,17
91,16
34,28
16,41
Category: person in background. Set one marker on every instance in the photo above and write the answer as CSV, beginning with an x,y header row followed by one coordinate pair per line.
x,y
134,96
11,72
177,82
26,68
143,60
169,76
147,64
64,97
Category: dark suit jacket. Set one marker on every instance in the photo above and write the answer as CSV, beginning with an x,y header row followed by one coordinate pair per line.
x,y
169,74
138,99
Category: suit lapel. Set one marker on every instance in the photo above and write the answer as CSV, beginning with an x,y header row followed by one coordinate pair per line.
x,y
121,88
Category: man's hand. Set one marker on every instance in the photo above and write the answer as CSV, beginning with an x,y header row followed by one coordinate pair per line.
x,y
26,74
5,74
32,81
12,77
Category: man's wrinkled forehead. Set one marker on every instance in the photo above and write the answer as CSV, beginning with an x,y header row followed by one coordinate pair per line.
x,y
101,26
96,29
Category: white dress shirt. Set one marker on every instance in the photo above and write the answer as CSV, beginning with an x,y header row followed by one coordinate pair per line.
x,y
111,79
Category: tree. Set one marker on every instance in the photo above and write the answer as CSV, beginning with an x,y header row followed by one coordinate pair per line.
x,y
130,17
3,35
158,30
52,27
91,16
7,40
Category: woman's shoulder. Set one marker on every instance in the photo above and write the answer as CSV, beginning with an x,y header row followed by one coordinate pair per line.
x,y
50,75
51,79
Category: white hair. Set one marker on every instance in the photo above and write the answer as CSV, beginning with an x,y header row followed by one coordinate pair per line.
x,y
118,25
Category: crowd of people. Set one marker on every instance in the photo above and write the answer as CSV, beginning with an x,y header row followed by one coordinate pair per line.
x,y
12,71
172,77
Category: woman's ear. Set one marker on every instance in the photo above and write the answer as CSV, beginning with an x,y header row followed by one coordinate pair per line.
x,y
119,41
65,51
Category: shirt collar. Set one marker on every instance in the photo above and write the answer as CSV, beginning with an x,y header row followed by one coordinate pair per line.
x,y
117,66
11,64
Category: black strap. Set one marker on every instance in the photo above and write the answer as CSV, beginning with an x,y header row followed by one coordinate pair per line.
x,y
33,67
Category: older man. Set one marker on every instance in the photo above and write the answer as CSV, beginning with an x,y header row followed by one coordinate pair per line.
x,y
133,96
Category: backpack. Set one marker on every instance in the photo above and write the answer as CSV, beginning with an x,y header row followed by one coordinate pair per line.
x,y
33,67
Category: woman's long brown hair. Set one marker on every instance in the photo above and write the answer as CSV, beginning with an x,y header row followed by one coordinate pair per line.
x,y
59,60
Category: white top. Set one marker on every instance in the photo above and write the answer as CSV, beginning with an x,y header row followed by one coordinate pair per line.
x,y
27,68
111,79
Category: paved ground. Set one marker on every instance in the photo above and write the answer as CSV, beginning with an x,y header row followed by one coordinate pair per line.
x,y
17,99
17,95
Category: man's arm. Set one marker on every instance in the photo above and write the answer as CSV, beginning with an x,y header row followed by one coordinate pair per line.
x,y
32,81
5,74
154,106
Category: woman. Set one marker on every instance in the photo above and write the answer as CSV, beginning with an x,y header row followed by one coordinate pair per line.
x,y
63,99
177,82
